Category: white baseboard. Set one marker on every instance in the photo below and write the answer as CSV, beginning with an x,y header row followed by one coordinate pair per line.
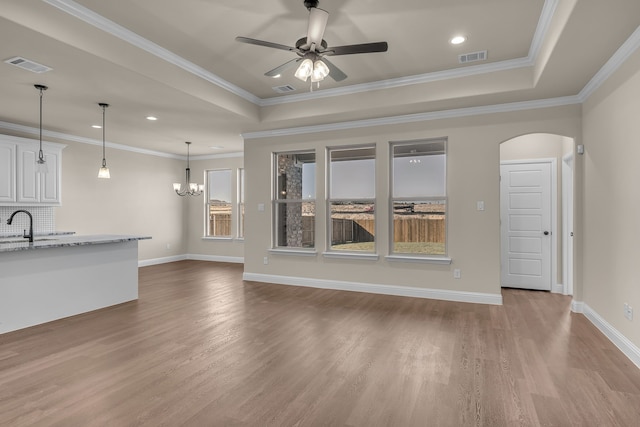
x,y
196,257
405,291
156,261
216,258
627,347
577,306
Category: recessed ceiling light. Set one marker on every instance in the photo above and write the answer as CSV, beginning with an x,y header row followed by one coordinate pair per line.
x,y
216,147
458,40
96,126
277,76
152,118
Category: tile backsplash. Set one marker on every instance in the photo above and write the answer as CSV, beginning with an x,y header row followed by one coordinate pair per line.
x,y
44,219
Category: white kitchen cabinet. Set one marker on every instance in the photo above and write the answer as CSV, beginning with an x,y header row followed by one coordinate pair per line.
x,y
28,186
7,172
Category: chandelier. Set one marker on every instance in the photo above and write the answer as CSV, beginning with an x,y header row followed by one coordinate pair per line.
x,y
189,188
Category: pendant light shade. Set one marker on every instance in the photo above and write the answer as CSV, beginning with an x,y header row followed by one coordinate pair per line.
x,y
104,170
304,70
41,165
320,71
189,188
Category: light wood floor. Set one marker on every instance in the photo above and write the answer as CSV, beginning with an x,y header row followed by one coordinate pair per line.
x,y
203,348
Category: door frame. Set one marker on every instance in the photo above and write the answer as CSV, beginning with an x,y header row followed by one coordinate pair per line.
x,y
568,206
555,287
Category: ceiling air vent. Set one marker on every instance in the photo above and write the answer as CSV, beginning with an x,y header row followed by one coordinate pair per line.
x,y
28,65
472,57
284,89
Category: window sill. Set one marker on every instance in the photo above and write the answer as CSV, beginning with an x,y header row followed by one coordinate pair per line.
x,y
351,255
293,252
217,238
422,259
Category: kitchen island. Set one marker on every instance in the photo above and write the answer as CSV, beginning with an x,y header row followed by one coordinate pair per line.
x,y
64,275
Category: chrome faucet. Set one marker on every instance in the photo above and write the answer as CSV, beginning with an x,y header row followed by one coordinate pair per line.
x,y
25,235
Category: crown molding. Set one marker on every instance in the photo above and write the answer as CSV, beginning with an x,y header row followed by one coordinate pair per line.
x,y
90,17
82,140
218,156
472,70
418,117
548,10
611,66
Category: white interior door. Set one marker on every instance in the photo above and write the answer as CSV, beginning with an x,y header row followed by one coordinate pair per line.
x,y
525,215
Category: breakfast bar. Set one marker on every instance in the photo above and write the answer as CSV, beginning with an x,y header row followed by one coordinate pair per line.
x,y
64,275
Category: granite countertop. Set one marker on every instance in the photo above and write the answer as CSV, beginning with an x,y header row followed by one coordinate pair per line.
x,y
63,240
6,236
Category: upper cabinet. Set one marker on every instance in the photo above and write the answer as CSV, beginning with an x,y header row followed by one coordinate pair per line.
x,y
20,183
7,172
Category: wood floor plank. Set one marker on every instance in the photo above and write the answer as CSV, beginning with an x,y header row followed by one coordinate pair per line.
x,y
201,347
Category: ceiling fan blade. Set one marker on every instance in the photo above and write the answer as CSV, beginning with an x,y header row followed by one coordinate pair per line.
x,y
357,48
283,67
334,72
265,44
317,23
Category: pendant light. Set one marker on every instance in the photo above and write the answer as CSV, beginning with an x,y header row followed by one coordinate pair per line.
x,y
190,188
104,170
41,165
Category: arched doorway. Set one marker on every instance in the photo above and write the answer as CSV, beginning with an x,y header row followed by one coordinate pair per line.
x,y
536,212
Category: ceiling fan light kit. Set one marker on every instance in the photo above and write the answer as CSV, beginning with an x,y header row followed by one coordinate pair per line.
x,y
320,71
304,70
313,50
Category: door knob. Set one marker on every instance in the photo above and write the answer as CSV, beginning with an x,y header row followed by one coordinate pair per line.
x,y
546,233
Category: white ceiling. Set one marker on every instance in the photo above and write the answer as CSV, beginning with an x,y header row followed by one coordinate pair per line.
x,y
179,61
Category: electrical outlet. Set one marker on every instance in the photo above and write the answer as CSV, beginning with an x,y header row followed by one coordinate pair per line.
x,y
265,260
457,273
628,311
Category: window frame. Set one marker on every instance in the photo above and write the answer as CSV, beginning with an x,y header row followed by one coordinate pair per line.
x,y
240,205
207,206
329,200
409,256
276,202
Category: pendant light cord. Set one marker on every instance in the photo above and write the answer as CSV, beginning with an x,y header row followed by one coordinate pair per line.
x,y
104,157
188,171
40,153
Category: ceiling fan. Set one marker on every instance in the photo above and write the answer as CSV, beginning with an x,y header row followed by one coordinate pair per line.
x,y
312,50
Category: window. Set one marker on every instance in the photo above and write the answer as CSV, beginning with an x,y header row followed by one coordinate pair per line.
x,y
294,200
418,199
351,199
219,204
240,211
